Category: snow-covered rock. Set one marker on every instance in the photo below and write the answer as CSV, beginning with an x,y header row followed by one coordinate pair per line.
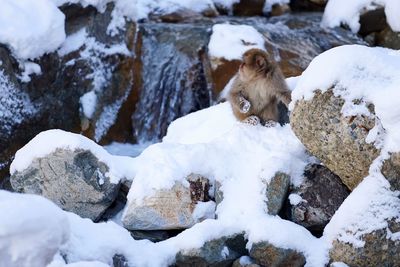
x,y
315,201
217,252
345,115
32,230
68,169
175,208
348,12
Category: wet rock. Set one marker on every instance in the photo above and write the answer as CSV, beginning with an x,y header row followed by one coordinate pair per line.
x,y
276,192
265,254
388,38
174,80
248,8
218,252
74,180
120,261
308,5
52,99
168,208
379,249
372,21
338,141
321,193
153,236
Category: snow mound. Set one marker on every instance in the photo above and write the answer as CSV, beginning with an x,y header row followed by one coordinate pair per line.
x,y
31,28
357,72
48,141
239,39
348,12
32,229
368,208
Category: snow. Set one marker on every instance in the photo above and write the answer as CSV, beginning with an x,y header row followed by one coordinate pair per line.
x,y
295,199
29,68
126,149
73,42
239,39
31,28
15,104
359,72
368,208
348,12
204,210
88,103
32,229
48,141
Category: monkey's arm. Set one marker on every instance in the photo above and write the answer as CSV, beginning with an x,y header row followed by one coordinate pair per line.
x,y
285,96
282,91
240,102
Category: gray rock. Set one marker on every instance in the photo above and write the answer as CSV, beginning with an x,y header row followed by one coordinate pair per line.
x,y
167,209
75,180
276,192
219,252
265,254
322,193
391,170
338,141
379,250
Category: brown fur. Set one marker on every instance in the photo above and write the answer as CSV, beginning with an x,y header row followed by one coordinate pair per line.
x,y
261,82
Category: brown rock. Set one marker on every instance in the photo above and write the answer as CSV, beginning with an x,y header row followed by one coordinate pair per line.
x,y
266,254
249,8
379,250
338,141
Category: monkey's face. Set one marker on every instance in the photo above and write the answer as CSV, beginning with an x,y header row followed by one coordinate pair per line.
x,y
255,64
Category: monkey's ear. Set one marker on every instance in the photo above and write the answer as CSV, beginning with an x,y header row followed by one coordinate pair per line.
x,y
261,62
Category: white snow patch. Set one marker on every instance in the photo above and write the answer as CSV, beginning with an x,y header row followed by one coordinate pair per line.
x,y
73,42
32,231
88,103
348,12
126,149
29,68
204,210
15,105
225,252
31,28
237,38
48,141
295,199
245,260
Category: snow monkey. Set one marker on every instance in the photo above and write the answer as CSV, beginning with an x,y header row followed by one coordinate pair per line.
x,y
257,88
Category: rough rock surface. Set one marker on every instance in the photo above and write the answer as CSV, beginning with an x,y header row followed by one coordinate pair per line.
x,y
379,250
219,252
266,254
167,209
391,170
276,192
75,180
338,141
322,193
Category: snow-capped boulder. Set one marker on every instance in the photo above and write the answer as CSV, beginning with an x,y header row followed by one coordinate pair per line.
x,y
217,252
32,230
365,230
338,141
69,169
346,114
266,254
75,180
313,203
177,208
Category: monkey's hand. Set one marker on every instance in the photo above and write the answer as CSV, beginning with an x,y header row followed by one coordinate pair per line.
x,y
244,105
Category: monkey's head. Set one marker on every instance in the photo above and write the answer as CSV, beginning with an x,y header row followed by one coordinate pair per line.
x,y
255,64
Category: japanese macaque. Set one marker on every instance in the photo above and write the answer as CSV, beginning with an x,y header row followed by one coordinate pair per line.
x,y
257,88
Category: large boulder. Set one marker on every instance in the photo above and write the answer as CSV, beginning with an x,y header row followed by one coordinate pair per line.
x,y
266,254
75,180
314,202
338,141
173,208
219,252
380,249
